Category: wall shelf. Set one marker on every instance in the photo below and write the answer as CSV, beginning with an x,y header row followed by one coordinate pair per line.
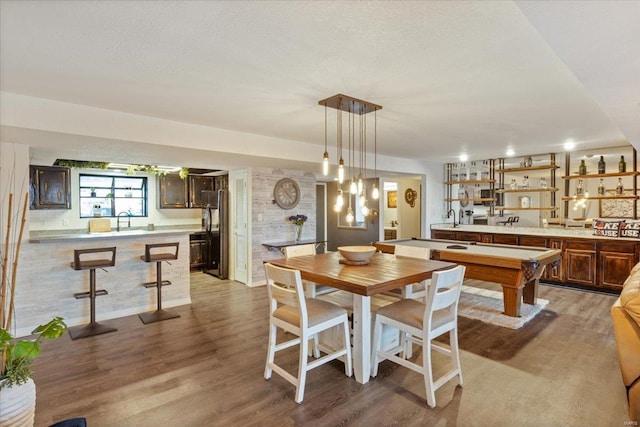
x,y
601,175
485,199
527,190
525,168
475,181
518,208
628,197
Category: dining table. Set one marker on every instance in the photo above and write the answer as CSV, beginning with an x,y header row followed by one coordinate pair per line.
x,y
383,273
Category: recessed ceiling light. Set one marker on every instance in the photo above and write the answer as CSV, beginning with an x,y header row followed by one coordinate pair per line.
x,y
569,144
510,152
463,157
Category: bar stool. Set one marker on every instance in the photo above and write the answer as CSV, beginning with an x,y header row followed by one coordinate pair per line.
x,y
151,256
93,328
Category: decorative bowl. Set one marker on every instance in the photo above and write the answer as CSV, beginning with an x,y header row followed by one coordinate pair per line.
x,y
357,253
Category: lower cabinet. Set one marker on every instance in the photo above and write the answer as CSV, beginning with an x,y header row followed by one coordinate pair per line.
x,y
580,263
615,261
198,248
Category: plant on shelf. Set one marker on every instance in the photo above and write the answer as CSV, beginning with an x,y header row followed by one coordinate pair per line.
x,y
17,390
298,222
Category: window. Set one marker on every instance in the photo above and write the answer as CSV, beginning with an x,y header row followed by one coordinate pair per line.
x,y
107,196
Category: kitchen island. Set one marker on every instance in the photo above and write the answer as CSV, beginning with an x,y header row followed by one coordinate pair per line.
x,y
587,261
46,282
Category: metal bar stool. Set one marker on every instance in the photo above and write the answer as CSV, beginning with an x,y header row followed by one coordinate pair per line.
x,y
93,328
151,255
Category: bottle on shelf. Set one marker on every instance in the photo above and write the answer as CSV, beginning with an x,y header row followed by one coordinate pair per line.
x,y
580,188
513,184
473,172
477,194
601,165
622,165
619,187
463,172
484,174
454,172
543,182
525,181
601,187
462,192
582,170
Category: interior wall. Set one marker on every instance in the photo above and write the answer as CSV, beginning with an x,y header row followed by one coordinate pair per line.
x,y
409,224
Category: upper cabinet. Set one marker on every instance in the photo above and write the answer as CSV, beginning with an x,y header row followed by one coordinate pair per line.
x,y
50,187
192,192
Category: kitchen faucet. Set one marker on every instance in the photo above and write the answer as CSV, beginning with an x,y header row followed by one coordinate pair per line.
x,y
118,220
451,211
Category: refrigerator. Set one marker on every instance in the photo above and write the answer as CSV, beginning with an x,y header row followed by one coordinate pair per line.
x,y
215,224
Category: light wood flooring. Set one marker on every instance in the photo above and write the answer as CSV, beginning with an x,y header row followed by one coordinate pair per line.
x,y
206,369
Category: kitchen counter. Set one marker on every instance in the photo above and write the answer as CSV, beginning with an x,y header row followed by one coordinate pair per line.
x,y
70,235
530,231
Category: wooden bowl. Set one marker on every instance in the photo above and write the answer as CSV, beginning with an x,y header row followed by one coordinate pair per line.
x,y
356,253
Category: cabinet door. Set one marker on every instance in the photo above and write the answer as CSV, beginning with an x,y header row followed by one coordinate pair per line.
x,y
468,237
172,191
615,261
580,263
536,242
555,272
198,253
198,184
50,187
487,238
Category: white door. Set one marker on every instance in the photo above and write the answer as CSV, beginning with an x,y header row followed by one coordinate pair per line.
x,y
240,230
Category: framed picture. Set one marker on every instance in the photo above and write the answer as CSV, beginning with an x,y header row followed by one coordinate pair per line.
x,y
392,199
616,208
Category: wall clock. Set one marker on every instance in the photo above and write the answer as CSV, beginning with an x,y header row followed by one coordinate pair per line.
x,y
286,193
410,196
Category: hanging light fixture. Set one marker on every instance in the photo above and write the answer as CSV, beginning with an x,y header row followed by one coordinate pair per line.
x,y
357,165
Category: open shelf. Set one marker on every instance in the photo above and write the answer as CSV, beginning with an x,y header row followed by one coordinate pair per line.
x,y
526,190
485,199
475,181
624,196
601,175
518,208
530,168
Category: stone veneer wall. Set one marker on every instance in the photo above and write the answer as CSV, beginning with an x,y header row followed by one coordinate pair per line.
x,y
46,282
274,226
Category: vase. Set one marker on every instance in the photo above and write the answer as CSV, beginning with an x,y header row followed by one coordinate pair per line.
x,y
18,406
297,233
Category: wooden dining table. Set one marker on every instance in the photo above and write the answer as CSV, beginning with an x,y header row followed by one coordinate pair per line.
x,y
383,273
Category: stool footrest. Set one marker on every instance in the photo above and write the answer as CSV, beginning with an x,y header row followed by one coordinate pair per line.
x,y
156,316
99,293
155,284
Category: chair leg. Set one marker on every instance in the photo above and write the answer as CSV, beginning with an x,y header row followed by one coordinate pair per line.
x,y
316,346
455,353
428,372
348,366
270,351
302,368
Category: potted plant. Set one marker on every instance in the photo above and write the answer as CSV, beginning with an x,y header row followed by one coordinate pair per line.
x,y
17,390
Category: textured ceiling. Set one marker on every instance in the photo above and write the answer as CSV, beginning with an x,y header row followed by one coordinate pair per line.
x,y
452,77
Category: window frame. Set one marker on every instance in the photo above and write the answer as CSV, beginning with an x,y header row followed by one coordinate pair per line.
x,y
111,194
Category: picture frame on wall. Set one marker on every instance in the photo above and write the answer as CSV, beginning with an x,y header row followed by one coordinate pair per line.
x,y
616,208
392,199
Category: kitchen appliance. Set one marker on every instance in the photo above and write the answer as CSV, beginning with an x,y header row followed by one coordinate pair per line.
x,y
215,224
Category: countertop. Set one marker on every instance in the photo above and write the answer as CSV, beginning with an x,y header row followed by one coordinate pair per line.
x,y
70,235
531,231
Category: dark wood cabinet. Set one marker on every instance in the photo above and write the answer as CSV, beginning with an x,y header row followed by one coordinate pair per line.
x,y
468,237
50,187
505,239
198,247
198,184
580,263
443,235
615,261
555,272
175,192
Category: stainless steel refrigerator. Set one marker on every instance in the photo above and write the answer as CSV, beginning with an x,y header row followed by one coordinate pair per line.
x,y
215,223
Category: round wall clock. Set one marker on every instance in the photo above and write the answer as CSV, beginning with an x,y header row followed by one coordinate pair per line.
x,y
286,193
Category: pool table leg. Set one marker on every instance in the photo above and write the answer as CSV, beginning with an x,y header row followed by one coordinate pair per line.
x,y
530,294
512,300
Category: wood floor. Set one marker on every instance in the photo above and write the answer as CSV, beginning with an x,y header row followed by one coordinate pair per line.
x,y
206,369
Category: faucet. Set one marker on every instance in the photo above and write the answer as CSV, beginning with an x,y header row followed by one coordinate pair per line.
x,y
118,220
453,212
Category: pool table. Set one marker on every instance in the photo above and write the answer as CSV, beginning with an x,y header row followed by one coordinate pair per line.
x,y
516,268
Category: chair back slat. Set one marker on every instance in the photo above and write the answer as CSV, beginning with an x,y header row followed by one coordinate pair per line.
x,y
285,287
444,291
411,252
299,250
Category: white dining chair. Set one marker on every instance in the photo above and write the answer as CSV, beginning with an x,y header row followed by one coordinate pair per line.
x,y
311,289
305,318
415,290
422,323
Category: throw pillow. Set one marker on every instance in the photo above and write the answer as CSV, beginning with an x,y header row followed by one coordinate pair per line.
x,y
606,228
630,229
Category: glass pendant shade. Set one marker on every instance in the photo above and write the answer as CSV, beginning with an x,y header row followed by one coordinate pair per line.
x,y
341,171
365,210
375,194
325,164
349,216
353,189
